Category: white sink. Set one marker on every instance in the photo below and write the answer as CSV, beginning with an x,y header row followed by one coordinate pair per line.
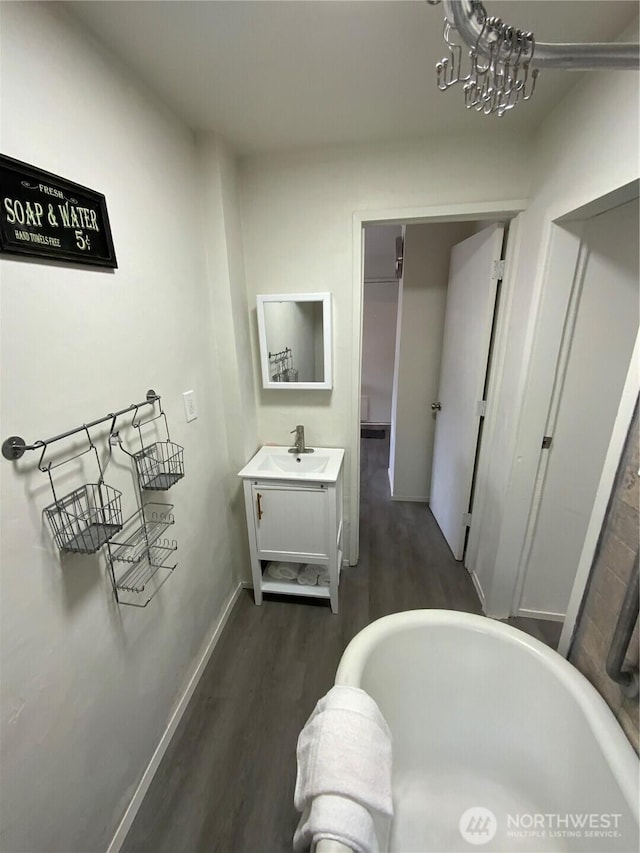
x,y
276,463
309,463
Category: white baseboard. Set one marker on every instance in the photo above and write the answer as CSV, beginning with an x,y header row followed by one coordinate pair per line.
x,y
542,614
410,499
147,777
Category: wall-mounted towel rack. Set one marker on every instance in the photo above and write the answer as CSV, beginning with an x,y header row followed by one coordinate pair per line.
x,y
282,363
139,560
282,354
14,447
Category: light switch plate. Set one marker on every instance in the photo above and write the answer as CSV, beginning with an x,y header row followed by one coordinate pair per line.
x,y
190,405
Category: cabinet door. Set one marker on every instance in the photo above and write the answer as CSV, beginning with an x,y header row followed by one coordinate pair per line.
x,y
290,521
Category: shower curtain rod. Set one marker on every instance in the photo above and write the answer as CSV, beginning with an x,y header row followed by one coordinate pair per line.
x,y
569,56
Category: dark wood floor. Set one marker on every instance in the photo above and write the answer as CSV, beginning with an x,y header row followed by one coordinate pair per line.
x,y
225,785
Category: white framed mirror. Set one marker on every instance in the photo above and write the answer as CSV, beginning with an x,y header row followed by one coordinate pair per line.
x,y
295,340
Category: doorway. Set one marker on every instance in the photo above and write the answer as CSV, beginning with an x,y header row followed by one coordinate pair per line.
x,y
507,209
379,325
494,567
427,315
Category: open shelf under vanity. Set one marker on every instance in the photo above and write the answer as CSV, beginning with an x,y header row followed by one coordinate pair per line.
x,y
291,586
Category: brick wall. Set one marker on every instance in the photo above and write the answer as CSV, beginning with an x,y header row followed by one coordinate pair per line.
x,y
614,559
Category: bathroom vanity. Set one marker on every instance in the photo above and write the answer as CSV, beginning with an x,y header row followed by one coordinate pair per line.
x,y
294,516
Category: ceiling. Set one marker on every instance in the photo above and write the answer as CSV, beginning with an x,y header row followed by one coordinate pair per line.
x,y
269,76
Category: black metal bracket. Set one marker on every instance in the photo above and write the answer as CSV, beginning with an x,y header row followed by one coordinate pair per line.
x,y
14,447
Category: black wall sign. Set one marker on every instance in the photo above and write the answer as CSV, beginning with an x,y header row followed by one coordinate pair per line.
x,y
49,217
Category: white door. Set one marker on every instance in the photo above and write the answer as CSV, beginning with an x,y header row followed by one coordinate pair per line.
x,y
598,347
471,299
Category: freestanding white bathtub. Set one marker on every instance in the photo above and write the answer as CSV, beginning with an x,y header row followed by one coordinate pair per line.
x,y
487,719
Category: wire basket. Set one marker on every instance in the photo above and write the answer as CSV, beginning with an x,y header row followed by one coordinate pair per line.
x,y
160,465
290,374
87,518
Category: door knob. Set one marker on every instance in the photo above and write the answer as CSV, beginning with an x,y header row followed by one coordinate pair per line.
x,y
435,407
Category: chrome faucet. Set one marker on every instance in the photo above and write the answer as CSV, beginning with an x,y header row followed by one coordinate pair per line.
x,y
298,445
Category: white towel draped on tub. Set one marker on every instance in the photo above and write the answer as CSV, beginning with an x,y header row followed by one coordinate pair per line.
x,y
343,787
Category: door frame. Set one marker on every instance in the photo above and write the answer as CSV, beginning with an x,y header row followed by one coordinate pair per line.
x,y
566,263
603,493
413,215
558,269
568,250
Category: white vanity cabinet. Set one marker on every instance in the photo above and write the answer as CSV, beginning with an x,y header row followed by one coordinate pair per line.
x,y
294,516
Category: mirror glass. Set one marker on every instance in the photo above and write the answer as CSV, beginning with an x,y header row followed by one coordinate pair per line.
x,y
295,340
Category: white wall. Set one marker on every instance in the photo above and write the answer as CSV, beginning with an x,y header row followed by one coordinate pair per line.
x,y
292,326
427,250
380,251
88,686
227,288
297,212
379,319
586,149
317,333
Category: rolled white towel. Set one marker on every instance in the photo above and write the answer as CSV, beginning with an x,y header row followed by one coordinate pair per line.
x,y
337,819
343,786
323,577
283,571
308,576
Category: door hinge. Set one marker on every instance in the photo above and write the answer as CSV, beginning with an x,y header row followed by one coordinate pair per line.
x,y
498,271
481,408
546,442
466,519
